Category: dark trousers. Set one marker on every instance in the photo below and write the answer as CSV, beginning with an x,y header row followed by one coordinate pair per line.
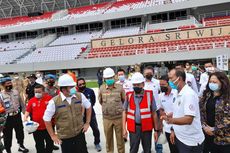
x,y
13,122
76,144
211,147
94,126
183,148
43,141
144,137
172,147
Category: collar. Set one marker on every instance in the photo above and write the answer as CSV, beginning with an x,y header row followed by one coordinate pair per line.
x,y
183,90
107,87
139,95
63,97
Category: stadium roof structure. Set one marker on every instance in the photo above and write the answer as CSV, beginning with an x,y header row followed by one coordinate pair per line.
x,y
13,8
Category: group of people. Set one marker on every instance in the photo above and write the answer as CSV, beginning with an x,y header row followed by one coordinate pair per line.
x,y
192,118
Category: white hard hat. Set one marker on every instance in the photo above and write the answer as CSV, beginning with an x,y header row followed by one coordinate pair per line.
x,y
162,139
31,126
108,73
66,81
137,77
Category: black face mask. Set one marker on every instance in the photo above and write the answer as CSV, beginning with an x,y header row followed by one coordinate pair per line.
x,y
10,87
50,83
149,76
82,88
164,89
137,90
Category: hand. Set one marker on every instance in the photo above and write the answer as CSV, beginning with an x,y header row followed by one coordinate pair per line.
x,y
168,118
125,133
172,137
155,136
85,127
56,140
208,130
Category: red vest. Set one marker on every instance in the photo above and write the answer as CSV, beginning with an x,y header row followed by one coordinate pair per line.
x,y
145,110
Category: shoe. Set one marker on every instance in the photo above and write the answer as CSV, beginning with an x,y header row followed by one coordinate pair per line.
x,y
98,147
23,149
55,148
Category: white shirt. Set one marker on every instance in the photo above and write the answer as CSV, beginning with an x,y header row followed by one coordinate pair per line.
x,y
191,81
51,109
203,83
187,103
127,85
154,85
166,103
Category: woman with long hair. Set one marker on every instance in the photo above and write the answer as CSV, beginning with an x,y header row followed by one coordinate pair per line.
x,y
215,114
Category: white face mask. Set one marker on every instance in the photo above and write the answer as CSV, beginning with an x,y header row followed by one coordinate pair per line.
x,y
38,95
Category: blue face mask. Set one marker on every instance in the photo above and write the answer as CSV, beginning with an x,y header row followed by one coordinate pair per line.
x,y
121,78
172,85
194,68
214,86
73,91
110,82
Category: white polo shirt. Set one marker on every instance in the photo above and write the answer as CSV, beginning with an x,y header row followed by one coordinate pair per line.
x,y
203,82
187,103
191,81
127,85
154,85
51,109
166,103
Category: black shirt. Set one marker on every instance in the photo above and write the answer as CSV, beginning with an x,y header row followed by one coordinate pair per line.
x,y
210,110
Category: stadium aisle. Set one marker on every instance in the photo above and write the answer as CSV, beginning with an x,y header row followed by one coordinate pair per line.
x,y
29,141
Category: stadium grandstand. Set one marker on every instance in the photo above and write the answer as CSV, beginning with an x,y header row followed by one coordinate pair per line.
x,y
41,35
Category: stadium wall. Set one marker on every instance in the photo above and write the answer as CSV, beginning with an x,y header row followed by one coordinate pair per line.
x,y
115,61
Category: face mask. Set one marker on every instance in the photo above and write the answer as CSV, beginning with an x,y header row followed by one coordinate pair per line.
x,y
10,87
194,68
38,95
110,82
82,88
73,91
214,86
121,78
149,76
16,77
164,89
172,84
137,90
50,83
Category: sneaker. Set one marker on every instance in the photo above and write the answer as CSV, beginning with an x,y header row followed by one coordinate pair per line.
x,y
23,149
98,147
55,148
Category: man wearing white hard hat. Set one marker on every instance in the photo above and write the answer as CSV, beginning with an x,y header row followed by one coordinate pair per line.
x,y
111,97
140,115
67,110
36,108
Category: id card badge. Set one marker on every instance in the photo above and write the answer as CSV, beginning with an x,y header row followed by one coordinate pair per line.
x,y
7,104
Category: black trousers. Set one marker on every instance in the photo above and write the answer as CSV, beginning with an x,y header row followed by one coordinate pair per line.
x,y
13,122
76,144
94,126
43,141
211,147
183,148
172,147
144,137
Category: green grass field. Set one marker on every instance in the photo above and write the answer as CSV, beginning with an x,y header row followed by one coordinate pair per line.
x,y
91,84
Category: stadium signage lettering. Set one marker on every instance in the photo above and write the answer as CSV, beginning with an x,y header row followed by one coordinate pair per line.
x,y
161,37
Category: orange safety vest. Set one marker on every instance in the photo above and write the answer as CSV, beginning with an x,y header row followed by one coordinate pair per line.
x,y
145,110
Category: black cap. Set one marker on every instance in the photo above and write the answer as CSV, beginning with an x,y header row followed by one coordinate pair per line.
x,y
32,76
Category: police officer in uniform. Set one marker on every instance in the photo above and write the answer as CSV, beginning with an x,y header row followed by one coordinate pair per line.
x,y
30,87
51,89
111,97
67,110
14,105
